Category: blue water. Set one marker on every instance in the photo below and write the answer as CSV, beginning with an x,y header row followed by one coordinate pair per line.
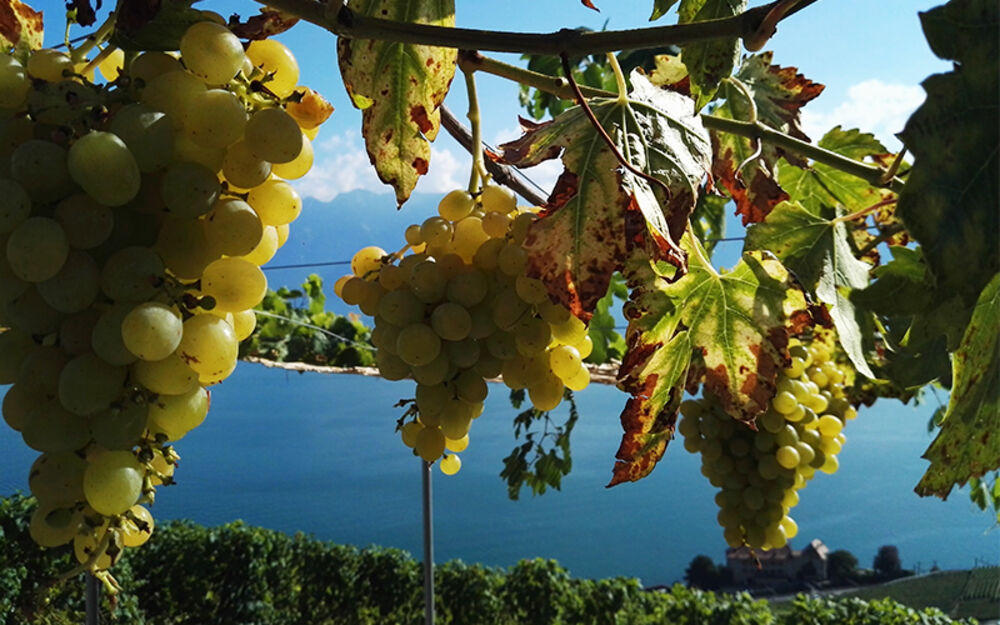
x,y
317,453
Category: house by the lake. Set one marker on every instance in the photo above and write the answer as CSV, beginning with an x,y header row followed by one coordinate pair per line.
x,y
778,565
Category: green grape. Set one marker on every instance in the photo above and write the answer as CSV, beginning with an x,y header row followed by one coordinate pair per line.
x,y
187,151
119,427
211,52
242,168
56,479
75,286
502,345
532,336
132,274
366,262
565,361
209,345
17,403
189,189
176,415
579,380
10,285
217,119
430,444
784,402
570,331
413,235
85,223
495,225
170,376
468,236
497,199
236,284
457,445
297,167
455,205
151,331
14,348
273,136
509,309
436,231
788,456
49,65
456,416
244,323
470,387
391,277
487,255
266,249
276,61
467,288
409,433
512,259
545,393
40,167
391,366
149,65
531,290
401,308
434,372
431,399
463,354
37,249
104,167
488,365
106,339
86,545
276,202
451,321
53,526
184,248
30,313
40,368
50,428
88,384
232,227
519,227
14,83
418,344
15,203
427,282
112,482
137,526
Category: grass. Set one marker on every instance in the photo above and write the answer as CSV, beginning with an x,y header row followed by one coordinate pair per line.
x,y
959,594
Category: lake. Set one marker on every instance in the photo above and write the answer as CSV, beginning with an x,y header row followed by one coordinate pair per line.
x,y
317,453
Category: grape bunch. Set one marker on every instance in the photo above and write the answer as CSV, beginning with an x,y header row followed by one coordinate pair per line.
x,y
759,473
455,308
134,217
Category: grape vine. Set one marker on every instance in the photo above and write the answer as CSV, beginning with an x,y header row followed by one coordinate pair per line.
x,y
136,211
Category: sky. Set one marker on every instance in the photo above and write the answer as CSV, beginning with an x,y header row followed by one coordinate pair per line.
x,y
870,55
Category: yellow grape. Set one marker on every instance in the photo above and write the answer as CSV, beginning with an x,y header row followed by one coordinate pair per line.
x,y
450,464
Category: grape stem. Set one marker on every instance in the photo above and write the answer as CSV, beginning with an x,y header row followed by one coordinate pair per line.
x,y
478,171
755,25
865,211
97,60
97,37
874,175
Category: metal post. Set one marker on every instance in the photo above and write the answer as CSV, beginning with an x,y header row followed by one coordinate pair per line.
x,y
428,544
93,598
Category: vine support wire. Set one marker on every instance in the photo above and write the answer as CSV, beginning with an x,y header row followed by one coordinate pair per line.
x,y
93,600
425,472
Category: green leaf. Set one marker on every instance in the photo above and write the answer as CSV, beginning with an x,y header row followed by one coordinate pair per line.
x,y
730,329
598,210
405,85
968,445
710,61
949,203
822,185
20,28
708,221
778,95
813,243
660,8
608,344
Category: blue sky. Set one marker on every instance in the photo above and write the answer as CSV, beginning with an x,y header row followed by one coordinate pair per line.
x,y
870,55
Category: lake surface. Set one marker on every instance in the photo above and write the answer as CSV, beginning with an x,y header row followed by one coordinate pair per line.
x,y
317,453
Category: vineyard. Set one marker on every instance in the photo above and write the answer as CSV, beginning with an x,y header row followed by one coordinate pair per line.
x,y
148,172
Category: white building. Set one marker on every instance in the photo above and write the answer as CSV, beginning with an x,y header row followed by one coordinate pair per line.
x,y
783,564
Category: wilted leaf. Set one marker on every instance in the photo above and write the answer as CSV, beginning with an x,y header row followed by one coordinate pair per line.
x,y
402,86
671,73
778,93
731,329
268,23
813,243
599,210
822,185
968,445
949,203
20,27
710,61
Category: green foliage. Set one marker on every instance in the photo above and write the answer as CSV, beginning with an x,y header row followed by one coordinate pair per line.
x,y
854,611
608,343
708,62
544,458
294,326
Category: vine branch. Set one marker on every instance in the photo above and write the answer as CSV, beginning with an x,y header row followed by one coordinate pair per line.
x,y
754,25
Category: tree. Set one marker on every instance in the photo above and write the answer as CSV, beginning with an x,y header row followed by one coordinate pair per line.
x,y
841,565
887,563
702,573
814,320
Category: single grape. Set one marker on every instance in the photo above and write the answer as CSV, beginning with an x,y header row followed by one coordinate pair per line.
x,y
277,63
151,331
211,52
273,136
450,464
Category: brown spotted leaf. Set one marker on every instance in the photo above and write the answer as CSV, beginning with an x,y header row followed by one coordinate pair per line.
x,y
400,87
968,445
778,94
599,210
731,327
267,23
20,27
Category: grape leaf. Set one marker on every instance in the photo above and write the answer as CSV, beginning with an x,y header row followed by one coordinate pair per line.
x,y
399,86
822,185
731,329
608,344
710,61
949,203
968,444
660,8
778,95
20,27
813,243
599,210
